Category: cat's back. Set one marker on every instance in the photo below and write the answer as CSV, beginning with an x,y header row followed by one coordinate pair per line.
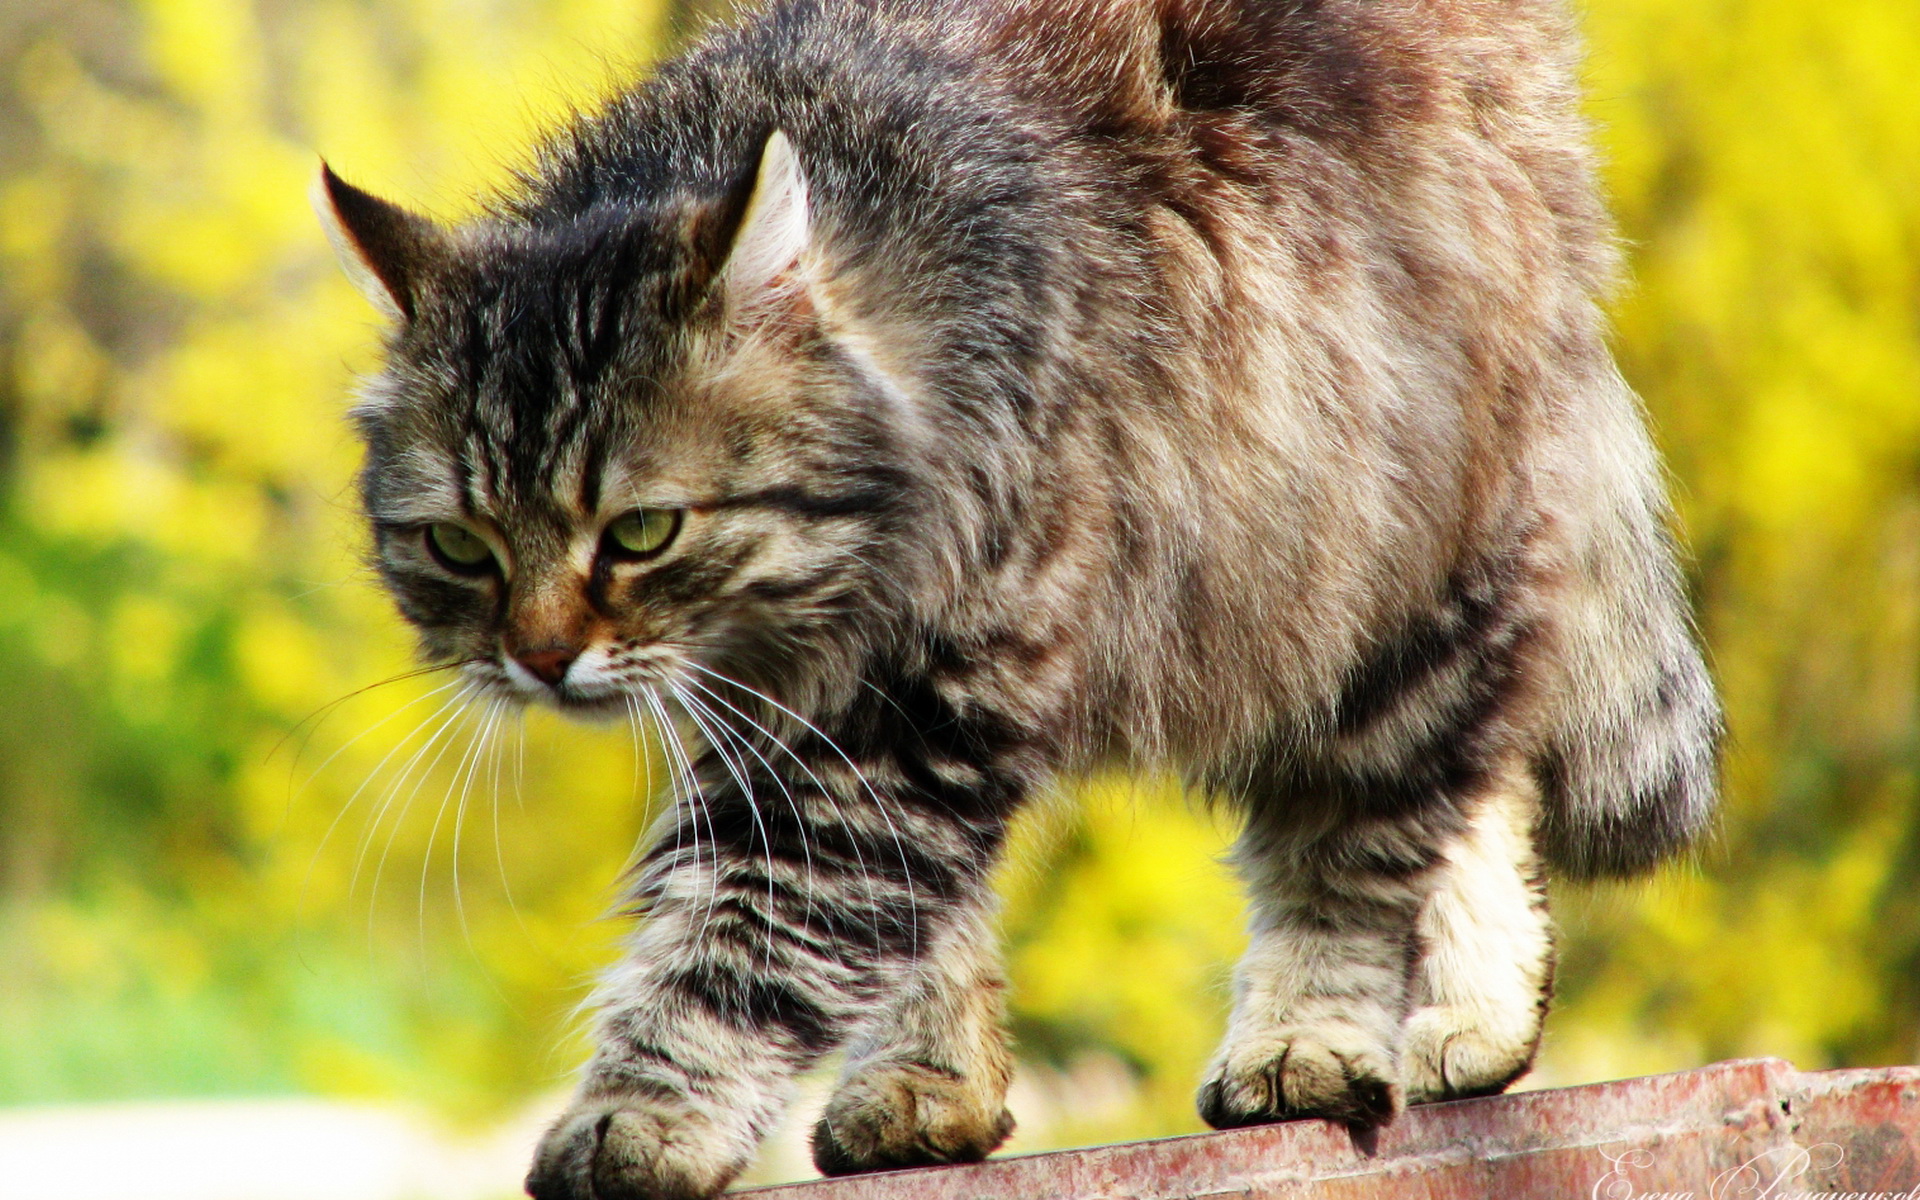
x,y
1441,134
1372,233
1368,222
1332,261
1405,92
1252,335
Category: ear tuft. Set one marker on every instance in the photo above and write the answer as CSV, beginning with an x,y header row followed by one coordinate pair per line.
x,y
385,250
774,231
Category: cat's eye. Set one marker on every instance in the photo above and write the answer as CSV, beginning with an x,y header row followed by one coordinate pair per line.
x,y
458,548
642,533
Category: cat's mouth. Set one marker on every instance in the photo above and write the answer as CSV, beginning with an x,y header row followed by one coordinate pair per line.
x,y
586,698
588,702
607,707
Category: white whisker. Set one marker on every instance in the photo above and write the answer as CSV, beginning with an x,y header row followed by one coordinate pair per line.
x,y
696,805
705,721
873,793
319,847
379,870
481,743
825,792
514,714
445,715
373,728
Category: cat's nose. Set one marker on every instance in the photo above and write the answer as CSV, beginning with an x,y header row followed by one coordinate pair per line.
x,y
549,665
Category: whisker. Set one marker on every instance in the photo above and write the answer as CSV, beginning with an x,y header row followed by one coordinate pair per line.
x,y
679,801
520,765
643,754
691,707
800,820
700,718
880,805
379,870
313,861
295,791
495,770
443,715
321,712
773,773
696,782
696,803
477,749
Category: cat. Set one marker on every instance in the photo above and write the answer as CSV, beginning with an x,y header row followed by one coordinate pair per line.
x,y
928,400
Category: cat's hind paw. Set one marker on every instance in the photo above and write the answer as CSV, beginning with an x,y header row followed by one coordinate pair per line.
x,y
607,1152
1301,1073
907,1115
1447,1056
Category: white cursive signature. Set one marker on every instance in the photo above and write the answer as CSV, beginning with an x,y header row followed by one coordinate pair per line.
x,y
1773,1174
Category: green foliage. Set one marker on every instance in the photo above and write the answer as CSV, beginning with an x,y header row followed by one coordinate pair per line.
x,y
194,903
200,893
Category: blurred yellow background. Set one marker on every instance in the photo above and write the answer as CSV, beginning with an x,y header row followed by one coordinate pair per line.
x,y
219,878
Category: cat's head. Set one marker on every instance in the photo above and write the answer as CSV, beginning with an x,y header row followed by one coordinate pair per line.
x,y
616,451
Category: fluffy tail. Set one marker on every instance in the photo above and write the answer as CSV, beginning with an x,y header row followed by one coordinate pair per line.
x,y
1629,770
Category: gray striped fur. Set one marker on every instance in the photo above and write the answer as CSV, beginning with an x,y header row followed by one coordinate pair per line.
x,y
1212,386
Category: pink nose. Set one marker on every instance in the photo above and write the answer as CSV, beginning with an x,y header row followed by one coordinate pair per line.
x,y
549,665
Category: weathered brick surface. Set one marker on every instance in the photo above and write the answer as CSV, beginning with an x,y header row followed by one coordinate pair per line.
x,y
1754,1129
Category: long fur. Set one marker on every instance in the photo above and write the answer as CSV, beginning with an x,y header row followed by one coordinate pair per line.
x,y
1212,385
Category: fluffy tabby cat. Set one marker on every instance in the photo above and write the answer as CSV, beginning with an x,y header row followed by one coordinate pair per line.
x,y
932,398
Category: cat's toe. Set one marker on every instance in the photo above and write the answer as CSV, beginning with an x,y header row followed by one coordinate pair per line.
x,y
906,1115
1451,1056
605,1152
1301,1073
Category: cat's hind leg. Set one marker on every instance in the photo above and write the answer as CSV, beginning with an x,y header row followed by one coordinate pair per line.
x,y
1487,972
926,1080
1325,987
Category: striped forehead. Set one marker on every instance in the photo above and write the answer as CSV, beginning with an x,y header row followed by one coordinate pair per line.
x,y
552,371
519,464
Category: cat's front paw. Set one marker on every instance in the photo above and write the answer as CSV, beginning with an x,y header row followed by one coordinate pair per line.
x,y
1451,1056
1291,1073
907,1115
621,1150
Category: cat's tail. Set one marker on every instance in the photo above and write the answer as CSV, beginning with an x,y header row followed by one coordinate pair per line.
x,y
1629,768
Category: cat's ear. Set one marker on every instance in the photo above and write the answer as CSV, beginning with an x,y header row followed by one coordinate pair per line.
x,y
764,262
385,250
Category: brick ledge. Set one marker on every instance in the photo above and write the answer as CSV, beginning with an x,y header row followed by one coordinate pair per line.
x,y
1792,1132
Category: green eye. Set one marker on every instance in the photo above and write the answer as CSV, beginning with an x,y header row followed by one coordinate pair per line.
x,y
458,547
643,532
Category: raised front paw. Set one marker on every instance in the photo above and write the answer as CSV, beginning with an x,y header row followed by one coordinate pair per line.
x,y
907,1115
1306,1072
620,1150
